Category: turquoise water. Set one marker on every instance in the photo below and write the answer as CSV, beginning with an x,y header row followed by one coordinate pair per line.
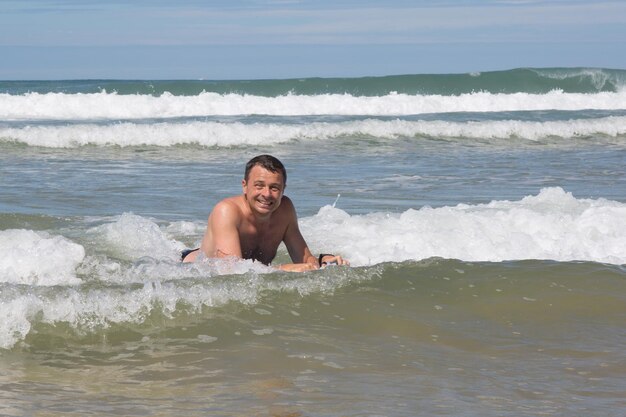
x,y
484,216
523,80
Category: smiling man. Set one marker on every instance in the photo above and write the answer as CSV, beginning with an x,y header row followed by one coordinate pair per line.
x,y
252,225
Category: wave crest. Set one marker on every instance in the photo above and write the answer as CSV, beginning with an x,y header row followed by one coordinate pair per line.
x,y
106,106
221,134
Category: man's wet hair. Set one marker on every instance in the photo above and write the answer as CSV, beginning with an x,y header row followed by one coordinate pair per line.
x,y
268,162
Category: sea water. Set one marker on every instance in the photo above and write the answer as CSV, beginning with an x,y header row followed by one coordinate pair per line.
x,y
484,216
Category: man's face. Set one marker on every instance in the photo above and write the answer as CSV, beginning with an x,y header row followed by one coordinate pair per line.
x,y
263,190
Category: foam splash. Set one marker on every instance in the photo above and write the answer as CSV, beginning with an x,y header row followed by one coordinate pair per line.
x,y
37,258
241,134
81,106
131,236
551,225
88,309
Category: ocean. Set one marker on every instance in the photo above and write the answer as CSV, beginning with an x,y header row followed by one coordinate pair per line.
x,y
484,216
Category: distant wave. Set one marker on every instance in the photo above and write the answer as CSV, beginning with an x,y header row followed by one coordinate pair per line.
x,y
224,134
521,80
106,106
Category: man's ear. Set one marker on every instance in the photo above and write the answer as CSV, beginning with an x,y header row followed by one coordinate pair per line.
x,y
243,186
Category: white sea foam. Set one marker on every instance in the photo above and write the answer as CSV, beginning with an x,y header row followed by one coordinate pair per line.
x,y
131,236
241,134
36,258
88,310
551,225
61,106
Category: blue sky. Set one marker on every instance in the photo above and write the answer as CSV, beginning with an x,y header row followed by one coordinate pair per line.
x,y
239,39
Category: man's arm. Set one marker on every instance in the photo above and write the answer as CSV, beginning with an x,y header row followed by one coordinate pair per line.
x,y
295,243
298,249
221,238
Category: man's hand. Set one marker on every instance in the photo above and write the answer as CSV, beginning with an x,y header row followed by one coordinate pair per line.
x,y
312,266
334,259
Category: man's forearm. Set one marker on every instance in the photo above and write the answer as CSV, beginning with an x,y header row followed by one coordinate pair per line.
x,y
299,267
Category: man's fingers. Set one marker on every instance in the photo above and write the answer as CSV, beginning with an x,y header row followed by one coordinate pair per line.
x,y
335,259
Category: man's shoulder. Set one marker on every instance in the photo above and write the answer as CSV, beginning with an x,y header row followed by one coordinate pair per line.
x,y
229,207
287,211
286,205
234,201
286,200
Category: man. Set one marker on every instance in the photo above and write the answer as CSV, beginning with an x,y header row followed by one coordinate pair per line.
x,y
252,225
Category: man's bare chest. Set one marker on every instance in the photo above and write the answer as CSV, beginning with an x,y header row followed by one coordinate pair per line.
x,y
260,243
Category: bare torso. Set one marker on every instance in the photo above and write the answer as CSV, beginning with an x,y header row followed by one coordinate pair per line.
x,y
258,238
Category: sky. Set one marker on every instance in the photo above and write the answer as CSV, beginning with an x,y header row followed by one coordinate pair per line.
x,y
260,39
